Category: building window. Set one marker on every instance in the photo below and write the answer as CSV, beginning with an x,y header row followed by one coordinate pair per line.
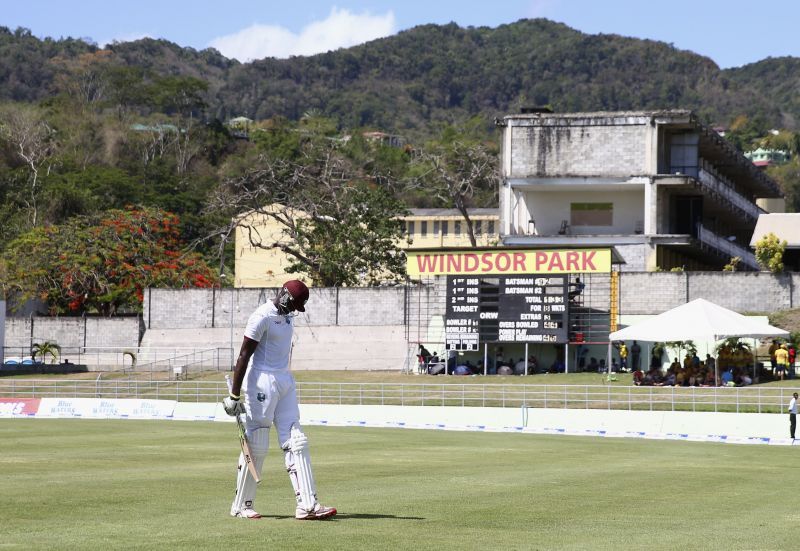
x,y
591,214
478,227
457,228
435,227
683,154
490,231
444,228
423,228
410,228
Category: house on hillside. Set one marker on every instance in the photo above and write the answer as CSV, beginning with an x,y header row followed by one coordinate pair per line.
x,y
239,127
763,158
660,187
392,140
265,266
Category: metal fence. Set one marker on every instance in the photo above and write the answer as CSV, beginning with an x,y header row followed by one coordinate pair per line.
x,y
150,359
743,400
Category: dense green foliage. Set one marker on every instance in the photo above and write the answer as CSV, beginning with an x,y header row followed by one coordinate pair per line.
x,y
438,73
101,263
769,253
332,200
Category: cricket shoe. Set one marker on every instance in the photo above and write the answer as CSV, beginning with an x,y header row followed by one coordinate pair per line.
x,y
319,512
247,512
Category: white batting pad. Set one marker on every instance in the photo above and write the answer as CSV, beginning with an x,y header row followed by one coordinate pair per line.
x,y
298,465
245,483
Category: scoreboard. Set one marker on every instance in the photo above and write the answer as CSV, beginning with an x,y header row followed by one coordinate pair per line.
x,y
506,309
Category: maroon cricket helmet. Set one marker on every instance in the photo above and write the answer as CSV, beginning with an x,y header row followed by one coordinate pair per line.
x,y
299,293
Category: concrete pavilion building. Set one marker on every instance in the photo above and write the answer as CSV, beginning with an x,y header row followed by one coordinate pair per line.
x,y
662,188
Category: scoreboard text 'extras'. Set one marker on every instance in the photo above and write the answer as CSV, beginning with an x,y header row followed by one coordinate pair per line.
x,y
542,261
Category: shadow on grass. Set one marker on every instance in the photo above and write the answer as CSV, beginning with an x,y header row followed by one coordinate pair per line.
x,y
345,516
373,515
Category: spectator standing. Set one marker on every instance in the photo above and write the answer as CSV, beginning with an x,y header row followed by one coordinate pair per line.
x,y
636,354
772,348
792,355
424,359
623,357
792,415
782,360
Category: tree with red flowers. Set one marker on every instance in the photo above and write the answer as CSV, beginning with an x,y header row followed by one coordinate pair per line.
x,y
101,263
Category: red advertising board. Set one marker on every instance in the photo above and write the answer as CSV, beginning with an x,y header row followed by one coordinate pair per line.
x,y
12,407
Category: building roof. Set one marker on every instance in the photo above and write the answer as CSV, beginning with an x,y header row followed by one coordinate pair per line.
x,y
785,225
712,146
453,212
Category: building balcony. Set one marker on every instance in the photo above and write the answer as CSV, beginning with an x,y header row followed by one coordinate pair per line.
x,y
721,191
725,248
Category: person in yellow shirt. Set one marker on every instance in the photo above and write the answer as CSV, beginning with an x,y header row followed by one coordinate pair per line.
x,y
772,348
623,357
782,360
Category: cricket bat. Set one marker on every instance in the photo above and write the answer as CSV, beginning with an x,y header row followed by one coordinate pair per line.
x,y
248,456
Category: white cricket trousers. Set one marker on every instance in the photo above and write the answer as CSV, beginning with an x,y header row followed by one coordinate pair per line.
x,y
270,397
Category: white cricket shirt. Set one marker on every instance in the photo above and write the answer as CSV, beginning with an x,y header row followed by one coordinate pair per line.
x,y
273,332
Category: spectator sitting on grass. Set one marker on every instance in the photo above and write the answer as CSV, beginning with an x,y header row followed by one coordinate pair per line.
x,y
462,370
727,378
654,377
557,367
745,379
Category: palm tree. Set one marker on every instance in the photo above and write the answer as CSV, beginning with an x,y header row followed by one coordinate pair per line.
x,y
44,349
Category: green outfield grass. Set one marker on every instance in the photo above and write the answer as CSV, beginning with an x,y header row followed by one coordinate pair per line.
x,y
96,484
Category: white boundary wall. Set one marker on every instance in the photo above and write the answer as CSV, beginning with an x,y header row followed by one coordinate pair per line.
x,y
740,428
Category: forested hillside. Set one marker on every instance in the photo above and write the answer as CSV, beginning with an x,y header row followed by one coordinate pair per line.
x,y
123,156
434,73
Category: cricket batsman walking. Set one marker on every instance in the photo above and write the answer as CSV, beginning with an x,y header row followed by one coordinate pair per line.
x,y
264,390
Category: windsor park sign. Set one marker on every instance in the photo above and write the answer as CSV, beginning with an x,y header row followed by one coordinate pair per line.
x,y
508,262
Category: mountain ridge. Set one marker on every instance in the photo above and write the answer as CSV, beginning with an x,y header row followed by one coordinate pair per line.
x,y
434,74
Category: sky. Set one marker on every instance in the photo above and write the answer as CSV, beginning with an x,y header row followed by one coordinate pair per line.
x,y
730,32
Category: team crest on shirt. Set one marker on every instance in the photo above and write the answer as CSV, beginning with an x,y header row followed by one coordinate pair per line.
x,y
261,396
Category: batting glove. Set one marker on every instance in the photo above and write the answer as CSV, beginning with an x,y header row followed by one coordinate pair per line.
x,y
233,405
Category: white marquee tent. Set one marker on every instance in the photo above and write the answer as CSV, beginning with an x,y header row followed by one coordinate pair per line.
x,y
699,320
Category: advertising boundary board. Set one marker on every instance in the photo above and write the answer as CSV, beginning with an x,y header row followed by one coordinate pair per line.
x,y
730,428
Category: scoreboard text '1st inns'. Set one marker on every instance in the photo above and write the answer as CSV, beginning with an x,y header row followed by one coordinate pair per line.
x,y
541,261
